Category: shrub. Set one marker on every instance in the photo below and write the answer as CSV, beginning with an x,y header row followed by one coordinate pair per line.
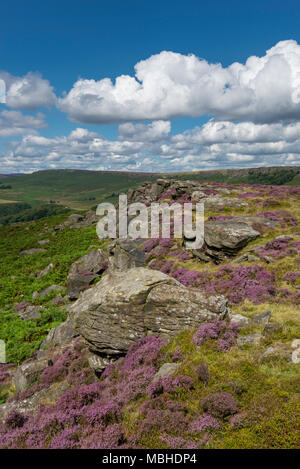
x,y
202,373
15,419
220,405
205,422
225,334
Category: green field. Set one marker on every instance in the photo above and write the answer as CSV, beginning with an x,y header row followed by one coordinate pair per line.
x,y
76,189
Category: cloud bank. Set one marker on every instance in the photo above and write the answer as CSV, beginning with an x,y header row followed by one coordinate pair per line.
x,y
170,85
151,147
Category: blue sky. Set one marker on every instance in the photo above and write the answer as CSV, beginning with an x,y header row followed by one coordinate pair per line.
x,y
175,111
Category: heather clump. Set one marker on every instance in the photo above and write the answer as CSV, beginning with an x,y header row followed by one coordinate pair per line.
x,y
279,248
167,267
86,410
282,216
163,414
177,442
105,414
170,384
144,352
238,420
15,419
251,282
219,405
68,438
291,277
205,422
225,334
237,283
150,244
177,355
184,256
70,363
111,437
189,278
78,397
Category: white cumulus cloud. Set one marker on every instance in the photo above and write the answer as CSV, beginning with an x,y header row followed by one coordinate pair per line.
x,y
28,92
169,85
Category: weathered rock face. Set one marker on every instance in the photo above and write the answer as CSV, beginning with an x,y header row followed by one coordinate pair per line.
x,y
125,306
150,192
98,363
167,369
228,236
224,240
76,283
125,254
31,405
91,262
60,335
250,339
215,203
84,271
27,373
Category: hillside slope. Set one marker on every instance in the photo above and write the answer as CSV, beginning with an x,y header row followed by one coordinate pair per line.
x,y
84,189
231,382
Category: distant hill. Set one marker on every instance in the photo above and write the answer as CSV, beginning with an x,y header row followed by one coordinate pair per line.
x,y
83,189
274,175
10,175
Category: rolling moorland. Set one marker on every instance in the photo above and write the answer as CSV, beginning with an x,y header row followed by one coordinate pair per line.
x,y
83,189
146,344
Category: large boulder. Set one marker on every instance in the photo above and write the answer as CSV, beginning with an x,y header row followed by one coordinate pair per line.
x,y
84,271
125,306
229,236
